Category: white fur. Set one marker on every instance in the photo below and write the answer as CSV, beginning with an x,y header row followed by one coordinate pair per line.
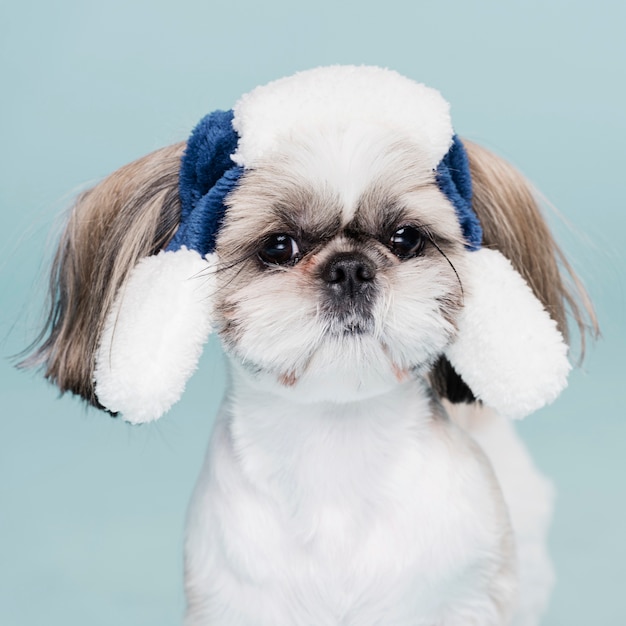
x,y
508,350
374,512
333,98
154,334
346,161
529,497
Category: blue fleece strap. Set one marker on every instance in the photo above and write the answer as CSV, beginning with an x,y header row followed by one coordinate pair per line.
x,y
455,181
207,175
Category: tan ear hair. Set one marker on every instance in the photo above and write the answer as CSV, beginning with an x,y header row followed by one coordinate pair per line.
x,y
131,214
513,223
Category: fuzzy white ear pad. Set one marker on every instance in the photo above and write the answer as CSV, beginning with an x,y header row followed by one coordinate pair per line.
x,y
154,334
508,349
338,97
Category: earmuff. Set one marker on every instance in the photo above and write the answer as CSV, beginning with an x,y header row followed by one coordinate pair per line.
x,y
508,350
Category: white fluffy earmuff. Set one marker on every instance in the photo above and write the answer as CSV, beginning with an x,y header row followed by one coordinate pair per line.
x,y
154,334
508,349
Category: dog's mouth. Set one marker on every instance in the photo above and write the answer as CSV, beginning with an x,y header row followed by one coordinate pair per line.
x,y
355,328
348,326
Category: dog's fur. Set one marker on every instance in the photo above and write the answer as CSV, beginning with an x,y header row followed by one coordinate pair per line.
x,y
350,479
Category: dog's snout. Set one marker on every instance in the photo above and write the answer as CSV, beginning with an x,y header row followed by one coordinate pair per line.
x,y
349,274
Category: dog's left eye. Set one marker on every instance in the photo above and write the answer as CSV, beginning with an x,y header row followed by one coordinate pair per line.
x,y
407,242
279,249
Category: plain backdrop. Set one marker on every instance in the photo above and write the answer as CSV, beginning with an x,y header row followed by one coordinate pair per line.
x,y
92,509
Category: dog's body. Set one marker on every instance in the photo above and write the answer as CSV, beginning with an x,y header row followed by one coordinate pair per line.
x,y
365,300
380,511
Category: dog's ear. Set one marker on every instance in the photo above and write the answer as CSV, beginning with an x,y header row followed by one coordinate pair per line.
x,y
107,246
510,351
131,214
132,282
155,331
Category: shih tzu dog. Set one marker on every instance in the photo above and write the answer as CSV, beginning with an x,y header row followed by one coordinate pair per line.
x,y
388,296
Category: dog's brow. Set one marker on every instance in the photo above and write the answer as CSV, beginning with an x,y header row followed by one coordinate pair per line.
x,y
316,216
375,214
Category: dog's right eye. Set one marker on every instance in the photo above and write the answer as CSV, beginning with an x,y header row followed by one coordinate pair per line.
x,y
407,242
279,249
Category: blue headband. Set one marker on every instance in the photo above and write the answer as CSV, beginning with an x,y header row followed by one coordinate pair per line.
x,y
455,181
208,175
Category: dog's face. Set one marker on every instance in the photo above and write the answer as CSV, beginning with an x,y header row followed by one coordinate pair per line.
x,y
341,266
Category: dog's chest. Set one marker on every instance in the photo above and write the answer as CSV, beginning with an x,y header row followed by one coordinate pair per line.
x,y
380,516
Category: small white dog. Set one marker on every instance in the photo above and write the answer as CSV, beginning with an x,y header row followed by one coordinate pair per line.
x,y
388,297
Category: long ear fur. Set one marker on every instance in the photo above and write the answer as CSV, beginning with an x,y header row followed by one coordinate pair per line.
x,y
513,224
133,213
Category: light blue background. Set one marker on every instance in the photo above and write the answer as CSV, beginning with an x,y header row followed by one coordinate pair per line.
x,y
91,510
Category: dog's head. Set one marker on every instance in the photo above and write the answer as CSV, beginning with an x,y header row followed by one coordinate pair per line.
x,y
342,266
326,231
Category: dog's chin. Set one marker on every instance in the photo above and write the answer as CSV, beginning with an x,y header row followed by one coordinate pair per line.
x,y
335,357
349,365
351,330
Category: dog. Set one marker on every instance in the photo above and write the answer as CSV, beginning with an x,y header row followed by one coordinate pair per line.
x,y
388,296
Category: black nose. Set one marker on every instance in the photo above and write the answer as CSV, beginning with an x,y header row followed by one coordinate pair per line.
x,y
349,274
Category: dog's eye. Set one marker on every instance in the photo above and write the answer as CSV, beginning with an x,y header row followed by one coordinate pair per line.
x,y
407,242
279,249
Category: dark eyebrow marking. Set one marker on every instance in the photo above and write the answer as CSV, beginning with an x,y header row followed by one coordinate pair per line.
x,y
309,215
370,220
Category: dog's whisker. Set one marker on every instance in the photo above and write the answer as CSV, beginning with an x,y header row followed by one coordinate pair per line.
x,y
443,254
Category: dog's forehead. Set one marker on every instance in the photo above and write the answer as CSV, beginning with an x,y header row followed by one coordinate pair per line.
x,y
357,162
270,199
321,183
